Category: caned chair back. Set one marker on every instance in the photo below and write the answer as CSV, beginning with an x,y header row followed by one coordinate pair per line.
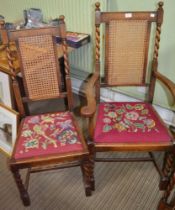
x,y
40,67
127,42
126,48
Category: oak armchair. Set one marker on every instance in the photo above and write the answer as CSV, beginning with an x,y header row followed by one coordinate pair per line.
x,y
49,140
127,126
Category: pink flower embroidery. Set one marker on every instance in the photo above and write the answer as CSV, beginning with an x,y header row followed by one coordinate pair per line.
x,y
150,123
34,120
107,120
132,115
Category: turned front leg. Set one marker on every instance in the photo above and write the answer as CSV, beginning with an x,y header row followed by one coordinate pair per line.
x,y
22,190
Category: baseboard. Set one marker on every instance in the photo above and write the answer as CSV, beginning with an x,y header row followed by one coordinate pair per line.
x,y
109,95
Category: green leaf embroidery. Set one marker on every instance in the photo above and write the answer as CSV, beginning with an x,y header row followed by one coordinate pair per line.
x,y
27,133
144,112
139,125
118,118
127,122
107,128
128,106
120,111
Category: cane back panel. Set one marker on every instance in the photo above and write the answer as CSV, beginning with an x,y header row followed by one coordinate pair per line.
x,y
126,51
40,67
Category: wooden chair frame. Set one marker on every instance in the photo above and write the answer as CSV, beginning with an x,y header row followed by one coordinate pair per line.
x,y
46,162
92,91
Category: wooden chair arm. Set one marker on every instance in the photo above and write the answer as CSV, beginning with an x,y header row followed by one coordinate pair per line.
x,y
90,108
4,67
167,82
7,72
2,47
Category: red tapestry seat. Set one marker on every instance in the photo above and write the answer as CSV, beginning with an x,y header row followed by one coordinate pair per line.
x,y
123,122
47,134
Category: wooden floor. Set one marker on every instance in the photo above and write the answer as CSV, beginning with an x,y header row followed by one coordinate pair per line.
x,y
119,186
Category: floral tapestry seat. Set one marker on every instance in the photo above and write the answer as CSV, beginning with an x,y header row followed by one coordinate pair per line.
x,y
47,134
133,122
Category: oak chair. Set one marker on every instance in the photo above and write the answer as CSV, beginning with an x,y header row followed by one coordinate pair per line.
x,y
127,126
48,140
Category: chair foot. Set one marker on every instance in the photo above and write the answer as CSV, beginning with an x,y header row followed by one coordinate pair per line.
x,y
163,205
88,191
168,165
163,183
86,177
22,190
93,184
25,199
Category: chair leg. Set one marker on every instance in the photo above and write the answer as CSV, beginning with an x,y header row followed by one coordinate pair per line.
x,y
168,165
163,204
22,190
86,176
91,165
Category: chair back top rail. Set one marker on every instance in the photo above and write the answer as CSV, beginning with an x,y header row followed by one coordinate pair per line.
x,y
13,35
108,16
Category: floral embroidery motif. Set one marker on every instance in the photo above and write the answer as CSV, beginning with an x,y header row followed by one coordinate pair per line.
x,y
127,117
53,130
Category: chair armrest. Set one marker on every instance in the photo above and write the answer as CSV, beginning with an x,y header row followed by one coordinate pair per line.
x,y
2,47
5,69
167,82
90,108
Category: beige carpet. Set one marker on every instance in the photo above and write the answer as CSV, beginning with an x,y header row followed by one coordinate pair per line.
x,y
119,186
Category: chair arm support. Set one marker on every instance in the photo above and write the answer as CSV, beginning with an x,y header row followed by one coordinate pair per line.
x,y
167,82
90,108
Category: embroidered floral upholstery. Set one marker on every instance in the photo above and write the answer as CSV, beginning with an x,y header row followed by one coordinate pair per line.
x,y
129,122
47,134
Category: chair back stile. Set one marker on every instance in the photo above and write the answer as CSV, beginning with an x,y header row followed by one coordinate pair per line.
x,y
127,36
160,13
16,90
66,65
97,48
